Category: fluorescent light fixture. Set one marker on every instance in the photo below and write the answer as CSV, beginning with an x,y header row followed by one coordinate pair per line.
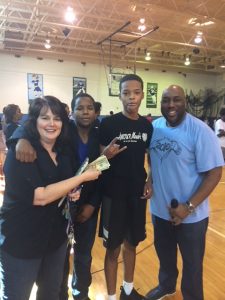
x,y
198,38
70,15
47,44
187,61
142,26
200,22
148,56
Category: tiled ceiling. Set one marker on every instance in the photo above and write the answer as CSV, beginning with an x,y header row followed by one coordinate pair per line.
x,y
106,31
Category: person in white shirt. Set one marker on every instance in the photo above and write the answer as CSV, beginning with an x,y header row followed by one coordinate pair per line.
x,y
220,130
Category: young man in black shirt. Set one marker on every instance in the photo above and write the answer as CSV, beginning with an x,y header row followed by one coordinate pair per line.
x,y
125,188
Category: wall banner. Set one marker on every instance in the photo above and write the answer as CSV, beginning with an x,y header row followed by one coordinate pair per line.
x,y
151,95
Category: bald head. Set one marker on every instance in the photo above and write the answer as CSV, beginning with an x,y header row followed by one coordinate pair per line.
x,y
175,89
173,105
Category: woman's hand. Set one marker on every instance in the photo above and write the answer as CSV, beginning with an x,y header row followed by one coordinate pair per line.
x,y
74,195
90,174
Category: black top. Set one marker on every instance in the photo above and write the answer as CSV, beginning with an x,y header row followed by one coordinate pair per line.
x,y
29,231
10,128
135,134
89,193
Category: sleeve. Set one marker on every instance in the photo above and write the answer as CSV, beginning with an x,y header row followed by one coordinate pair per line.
x,y
9,131
21,178
207,150
19,133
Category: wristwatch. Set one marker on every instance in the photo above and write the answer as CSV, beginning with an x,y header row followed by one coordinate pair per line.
x,y
190,207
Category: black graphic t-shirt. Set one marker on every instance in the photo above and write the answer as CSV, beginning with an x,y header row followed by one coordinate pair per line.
x,y
136,135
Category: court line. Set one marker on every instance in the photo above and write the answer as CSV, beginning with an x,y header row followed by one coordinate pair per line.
x,y
217,232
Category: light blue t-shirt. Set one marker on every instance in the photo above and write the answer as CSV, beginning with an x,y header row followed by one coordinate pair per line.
x,y
179,156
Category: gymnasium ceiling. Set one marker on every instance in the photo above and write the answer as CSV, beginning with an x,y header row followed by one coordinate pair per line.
x,y
106,31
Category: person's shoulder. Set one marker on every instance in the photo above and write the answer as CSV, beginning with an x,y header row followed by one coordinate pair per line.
x,y
145,122
219,121
197,128
159,121
94,132
72,123
195,122
111,119
72,127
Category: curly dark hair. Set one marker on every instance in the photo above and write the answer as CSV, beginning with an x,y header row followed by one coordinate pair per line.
x,y
56,107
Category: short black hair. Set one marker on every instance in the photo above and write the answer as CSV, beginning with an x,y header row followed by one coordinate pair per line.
x,y
56,107
131,77
222,111
80,95
9,112
98,106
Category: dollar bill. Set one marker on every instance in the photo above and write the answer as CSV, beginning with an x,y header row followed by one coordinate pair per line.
x,y
101,163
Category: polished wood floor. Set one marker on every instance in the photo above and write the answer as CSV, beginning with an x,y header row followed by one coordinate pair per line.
x,y
147,263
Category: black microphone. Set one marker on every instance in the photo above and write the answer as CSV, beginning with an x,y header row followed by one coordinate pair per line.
x,y
174,203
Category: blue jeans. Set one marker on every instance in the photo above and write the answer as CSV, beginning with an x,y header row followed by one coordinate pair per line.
x,y
18,275
190,238
84,237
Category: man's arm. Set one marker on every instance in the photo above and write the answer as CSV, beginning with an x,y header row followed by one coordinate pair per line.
x,y
210,180
24,150
147,193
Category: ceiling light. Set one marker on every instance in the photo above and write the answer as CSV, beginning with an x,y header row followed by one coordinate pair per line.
x,y
133,7
142,26
47,44
199,22
223,64
70,15
198,38
187,61
148,56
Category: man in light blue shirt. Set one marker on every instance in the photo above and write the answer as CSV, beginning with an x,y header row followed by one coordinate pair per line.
x,y
186,165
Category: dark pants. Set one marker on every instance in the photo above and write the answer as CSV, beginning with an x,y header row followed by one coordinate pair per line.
x,y
84,237
190,238
63,295
17,275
